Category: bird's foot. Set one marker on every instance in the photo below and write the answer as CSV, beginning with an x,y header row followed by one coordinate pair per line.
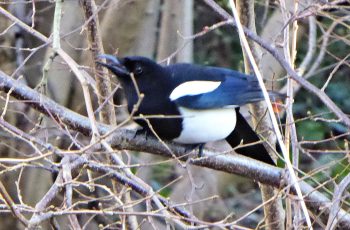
x,y
141,132
194,148
200,150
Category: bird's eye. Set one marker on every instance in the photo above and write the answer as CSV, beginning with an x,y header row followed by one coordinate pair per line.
x,y
138,70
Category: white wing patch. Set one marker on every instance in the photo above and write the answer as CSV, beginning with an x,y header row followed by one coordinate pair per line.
x,y
193,88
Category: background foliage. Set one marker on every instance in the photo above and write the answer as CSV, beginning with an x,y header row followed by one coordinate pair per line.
x,y
162,30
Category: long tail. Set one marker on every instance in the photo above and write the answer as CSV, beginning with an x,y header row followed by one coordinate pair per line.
x,y
244,132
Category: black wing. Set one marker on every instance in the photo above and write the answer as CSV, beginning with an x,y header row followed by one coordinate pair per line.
x,y
236,88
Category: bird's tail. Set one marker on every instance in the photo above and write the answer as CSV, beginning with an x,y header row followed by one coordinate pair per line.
x,y
256,95
243,133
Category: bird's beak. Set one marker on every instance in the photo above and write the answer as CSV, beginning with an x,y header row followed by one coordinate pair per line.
x,y
113,64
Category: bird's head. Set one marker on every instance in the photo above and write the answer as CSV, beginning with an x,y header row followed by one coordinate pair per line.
x,y
122,67
147,74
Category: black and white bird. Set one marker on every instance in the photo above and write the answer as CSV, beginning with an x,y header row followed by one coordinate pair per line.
x,y
191,104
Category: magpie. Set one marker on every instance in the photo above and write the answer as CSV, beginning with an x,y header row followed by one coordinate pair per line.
x,y
191,104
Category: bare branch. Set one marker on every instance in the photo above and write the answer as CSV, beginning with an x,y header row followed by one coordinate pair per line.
x,y
128,139
9,202
292,73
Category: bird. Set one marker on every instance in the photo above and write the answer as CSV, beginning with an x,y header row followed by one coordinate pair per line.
x,y
190,104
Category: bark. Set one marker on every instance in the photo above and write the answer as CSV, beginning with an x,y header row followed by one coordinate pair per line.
x,y
185,53
127,139
103,83
176,21
167,43
271,32
273,209
121,24
146,40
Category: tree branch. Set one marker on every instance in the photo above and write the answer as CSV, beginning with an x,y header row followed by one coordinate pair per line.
x,y
292,73
128,139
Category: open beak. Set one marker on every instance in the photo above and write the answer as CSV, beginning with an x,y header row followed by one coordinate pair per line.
x,y
113,64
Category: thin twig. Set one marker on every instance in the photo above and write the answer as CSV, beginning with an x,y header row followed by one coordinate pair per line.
x,y
291,72
307,85
270,110
103,84
335,214
56,44
127,139
335,69
311,46
9,202
67,179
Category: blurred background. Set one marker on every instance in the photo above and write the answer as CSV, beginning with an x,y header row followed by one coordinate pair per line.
x,y
163,30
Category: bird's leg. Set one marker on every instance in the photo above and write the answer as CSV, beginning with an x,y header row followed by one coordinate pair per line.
x,y
141,132
194,147
200,149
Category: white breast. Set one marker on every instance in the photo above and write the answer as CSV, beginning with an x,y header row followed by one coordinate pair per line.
x,y
201,126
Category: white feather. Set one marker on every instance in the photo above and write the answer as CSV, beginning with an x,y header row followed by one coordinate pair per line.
x,y
193,88
201,126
